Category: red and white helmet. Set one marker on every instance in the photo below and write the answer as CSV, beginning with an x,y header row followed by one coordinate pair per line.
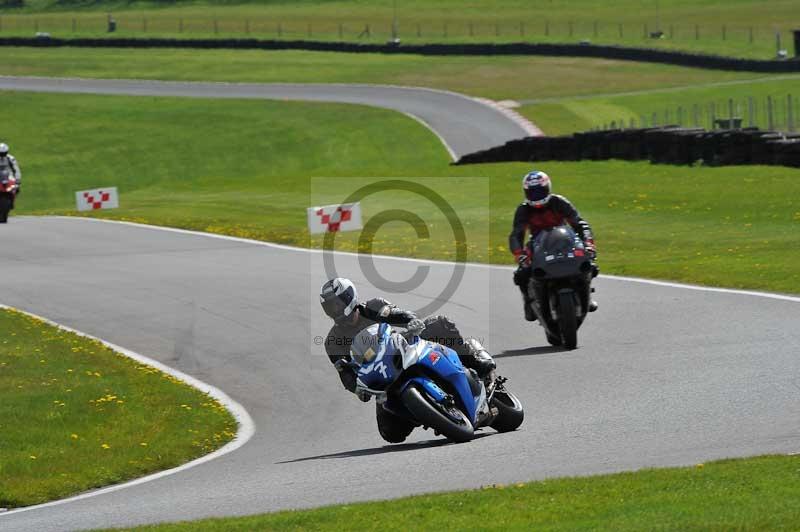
x,y
536,186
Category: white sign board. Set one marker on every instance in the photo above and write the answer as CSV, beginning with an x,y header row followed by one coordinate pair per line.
x,y
333,218
98,198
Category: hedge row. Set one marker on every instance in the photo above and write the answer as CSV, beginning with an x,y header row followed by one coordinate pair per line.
x,y
571,50
669,144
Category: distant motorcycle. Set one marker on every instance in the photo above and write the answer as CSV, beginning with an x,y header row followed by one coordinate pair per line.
x,y
425,383
560,283
8,192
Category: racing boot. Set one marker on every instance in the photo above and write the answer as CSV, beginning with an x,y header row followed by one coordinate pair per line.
x,y
530,315
483,363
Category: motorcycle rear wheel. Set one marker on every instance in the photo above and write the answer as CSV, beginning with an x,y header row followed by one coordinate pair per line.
x,y
431,414
510,414
567,320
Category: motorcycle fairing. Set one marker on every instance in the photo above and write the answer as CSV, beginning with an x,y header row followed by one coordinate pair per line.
x,y
443,362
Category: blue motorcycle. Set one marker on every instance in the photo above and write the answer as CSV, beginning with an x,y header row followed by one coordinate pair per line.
x,y
424,384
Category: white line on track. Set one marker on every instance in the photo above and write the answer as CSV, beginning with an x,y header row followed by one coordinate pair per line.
x,y
245,432
247,427
670,284
453,156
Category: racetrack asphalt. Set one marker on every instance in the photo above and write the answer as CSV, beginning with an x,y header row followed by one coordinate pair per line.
x,y
464,124
663,375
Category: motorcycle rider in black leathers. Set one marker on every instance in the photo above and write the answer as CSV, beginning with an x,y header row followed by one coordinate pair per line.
x,y
339,300
543,210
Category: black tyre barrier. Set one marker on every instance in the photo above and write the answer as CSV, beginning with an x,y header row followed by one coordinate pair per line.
x,y
571,50
665,145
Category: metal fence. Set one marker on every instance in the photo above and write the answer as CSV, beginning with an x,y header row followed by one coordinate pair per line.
x,y
774,113
538,29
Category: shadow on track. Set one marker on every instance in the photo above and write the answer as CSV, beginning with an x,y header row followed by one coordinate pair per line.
x,y
428,444
533,351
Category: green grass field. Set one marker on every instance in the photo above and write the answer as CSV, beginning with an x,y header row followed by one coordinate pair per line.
x,y
75,415
244,168
753,494
716,26
690,106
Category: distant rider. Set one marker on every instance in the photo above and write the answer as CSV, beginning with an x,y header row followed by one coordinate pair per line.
x,y
543,210
9,162
339,300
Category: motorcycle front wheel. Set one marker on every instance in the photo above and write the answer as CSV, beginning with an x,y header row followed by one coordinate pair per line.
x,y
5,206
567,320
450,422
510,410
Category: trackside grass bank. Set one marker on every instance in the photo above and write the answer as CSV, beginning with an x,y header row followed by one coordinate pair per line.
x,y
75,415
750,494
244,168
715,26
563,116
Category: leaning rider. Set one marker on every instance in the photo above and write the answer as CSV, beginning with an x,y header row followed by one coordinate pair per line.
x,y
543,210
339,300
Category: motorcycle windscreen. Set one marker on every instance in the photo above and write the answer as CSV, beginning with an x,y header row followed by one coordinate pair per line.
x,y
379,366
559,252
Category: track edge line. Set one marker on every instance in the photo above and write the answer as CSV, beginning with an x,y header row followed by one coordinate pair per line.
x,y
243,435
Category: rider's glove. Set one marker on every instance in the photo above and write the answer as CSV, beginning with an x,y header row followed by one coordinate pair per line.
x,y
590,248
363,394
415,326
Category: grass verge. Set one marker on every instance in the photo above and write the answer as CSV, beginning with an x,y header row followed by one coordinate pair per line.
x,y
244,168
699,105
749,494
76,415
744,28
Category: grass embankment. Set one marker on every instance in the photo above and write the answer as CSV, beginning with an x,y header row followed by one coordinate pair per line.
x,y
517,78
752,494
565,115
715,26
75,415
244,168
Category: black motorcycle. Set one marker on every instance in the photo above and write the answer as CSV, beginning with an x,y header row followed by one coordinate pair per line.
x,y
560,283
8,192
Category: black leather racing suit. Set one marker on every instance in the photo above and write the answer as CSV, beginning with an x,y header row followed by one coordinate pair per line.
x,y
557,211
438,329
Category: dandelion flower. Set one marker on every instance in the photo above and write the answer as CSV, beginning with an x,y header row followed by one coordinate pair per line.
x,y
73,436
106,446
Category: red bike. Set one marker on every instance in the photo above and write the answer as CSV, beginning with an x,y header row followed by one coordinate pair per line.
x,y
8,192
